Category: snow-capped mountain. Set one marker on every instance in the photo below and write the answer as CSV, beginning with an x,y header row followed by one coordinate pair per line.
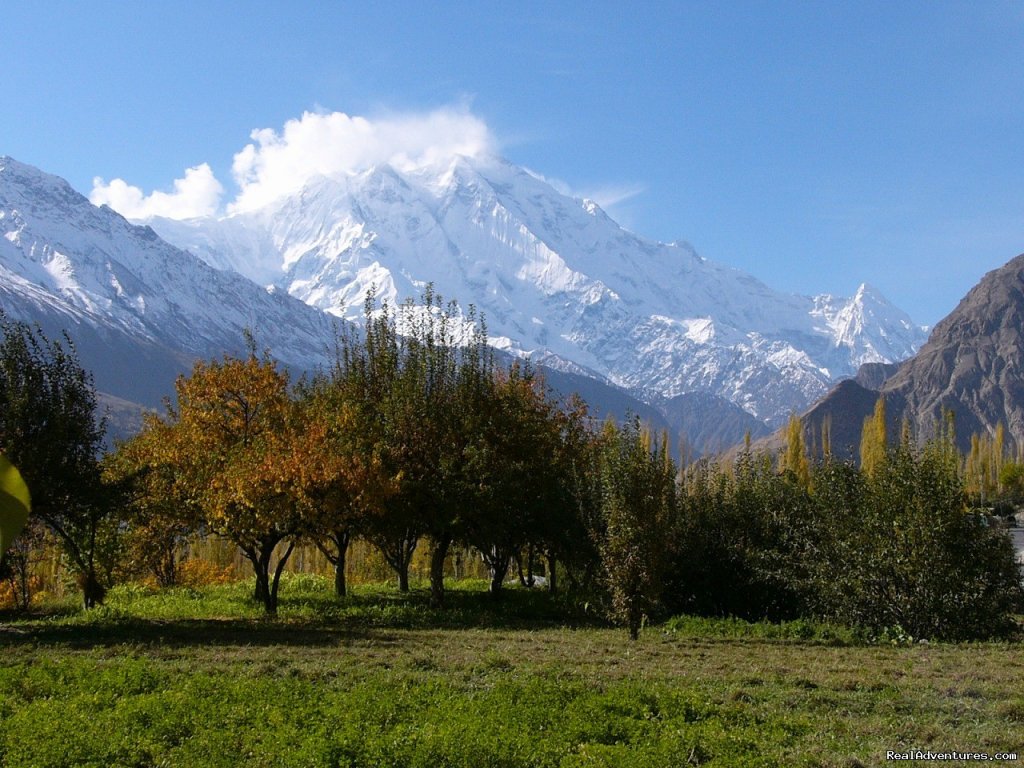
x,y
556,279
139,309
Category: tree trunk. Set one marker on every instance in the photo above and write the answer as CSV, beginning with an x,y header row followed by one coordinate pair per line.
x,y
519,569
341,541
552,582
261,567
398,553
497,580
260,557
93,592
340,589
337,557
166,568
635,618
437,557
497,564
272,603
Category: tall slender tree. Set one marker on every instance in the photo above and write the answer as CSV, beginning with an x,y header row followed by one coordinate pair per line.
x,y
874,442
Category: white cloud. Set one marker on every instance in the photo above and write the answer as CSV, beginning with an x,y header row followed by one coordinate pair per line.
x,y
606,195
610,195
334,144
197,194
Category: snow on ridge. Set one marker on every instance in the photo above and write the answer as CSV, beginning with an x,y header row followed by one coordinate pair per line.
x,y
60,251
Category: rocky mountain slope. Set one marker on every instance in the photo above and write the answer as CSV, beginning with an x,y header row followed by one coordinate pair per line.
x,y
972,364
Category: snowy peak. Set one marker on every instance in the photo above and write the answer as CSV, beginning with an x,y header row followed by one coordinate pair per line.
x,y
868,325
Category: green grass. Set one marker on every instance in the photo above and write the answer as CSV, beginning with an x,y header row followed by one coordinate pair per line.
x,y
201,678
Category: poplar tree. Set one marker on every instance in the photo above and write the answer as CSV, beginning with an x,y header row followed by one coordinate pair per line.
x,y
873,440
795,457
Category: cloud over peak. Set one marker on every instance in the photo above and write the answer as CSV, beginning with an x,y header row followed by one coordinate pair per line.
x,y
315,144
334,144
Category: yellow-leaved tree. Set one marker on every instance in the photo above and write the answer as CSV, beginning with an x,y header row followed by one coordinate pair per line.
x,y
795,457
158,516
874,443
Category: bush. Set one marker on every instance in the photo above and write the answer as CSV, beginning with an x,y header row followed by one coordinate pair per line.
x,y
900,549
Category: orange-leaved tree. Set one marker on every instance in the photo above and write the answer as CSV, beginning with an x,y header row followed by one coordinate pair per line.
x,y
236,441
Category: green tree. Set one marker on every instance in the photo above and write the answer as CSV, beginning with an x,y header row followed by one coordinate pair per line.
x,y
899,549
424,372
637,502
514,474
349,486
50,431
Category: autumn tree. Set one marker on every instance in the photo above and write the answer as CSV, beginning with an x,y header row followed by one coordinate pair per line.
x,y
873,441
235,441
794,459
157,517
984,465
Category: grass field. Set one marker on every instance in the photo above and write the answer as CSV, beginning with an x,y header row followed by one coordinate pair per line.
x,y
199,678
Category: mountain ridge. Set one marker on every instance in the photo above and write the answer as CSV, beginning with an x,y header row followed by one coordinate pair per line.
x,y
554,275
143,309
972,364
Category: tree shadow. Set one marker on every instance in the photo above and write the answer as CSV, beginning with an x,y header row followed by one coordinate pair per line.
x,y
313,619
178,633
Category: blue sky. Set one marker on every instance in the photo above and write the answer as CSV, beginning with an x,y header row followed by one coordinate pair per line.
x,y
814,144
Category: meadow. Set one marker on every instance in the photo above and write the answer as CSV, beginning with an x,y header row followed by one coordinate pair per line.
x,y
200,677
